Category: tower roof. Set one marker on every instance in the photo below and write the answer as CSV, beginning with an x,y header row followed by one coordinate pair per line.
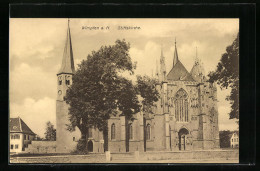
x,y
178,71
197,72
67,65
175,58
162,67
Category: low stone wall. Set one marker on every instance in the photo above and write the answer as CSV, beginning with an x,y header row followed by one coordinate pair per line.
x,y
220,156
41,147
93,158
169,155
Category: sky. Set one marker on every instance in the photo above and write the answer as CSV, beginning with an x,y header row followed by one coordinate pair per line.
x,y
36,50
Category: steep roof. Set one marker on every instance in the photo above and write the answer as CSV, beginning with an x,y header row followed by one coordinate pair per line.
x,y
67,65
179,72
19,126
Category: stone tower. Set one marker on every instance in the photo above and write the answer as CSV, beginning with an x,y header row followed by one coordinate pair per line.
x,y
66,140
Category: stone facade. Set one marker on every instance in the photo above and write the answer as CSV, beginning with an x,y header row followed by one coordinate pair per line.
x,y
184,118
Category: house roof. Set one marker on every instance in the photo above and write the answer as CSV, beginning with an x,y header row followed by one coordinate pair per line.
x,y
19,126
179,72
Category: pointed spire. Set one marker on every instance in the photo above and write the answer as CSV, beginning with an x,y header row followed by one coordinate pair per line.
x,y
162,66
157,70
161,50
176,58
197,71
67,65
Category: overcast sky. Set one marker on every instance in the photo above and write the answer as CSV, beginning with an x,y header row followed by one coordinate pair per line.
x,y
36,49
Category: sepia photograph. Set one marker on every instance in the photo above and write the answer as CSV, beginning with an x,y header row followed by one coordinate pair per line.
x,y
123,90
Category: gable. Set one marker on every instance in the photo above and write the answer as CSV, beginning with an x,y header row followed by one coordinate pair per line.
x,y
179,73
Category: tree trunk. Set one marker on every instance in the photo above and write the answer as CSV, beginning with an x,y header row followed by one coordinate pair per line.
x,y
86,139
82,144
144,123
126,134
105,135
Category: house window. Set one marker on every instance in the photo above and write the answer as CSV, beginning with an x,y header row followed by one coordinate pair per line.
x,y
67,82
130,131
12,146
12,136
113,131
73,138
28,137
232,140
181,106
148,132
16,146
16,136
24,137
90,132
60,82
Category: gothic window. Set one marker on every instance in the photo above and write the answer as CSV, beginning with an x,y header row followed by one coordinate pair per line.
x,y
113,131
148,132
181,106
131,132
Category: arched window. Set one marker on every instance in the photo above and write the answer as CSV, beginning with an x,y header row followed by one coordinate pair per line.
x,y
181,106
131,132
113,131
148,132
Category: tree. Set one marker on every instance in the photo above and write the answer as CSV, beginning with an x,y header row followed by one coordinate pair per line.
x,y
146,89
50,133
227,75
98,91
224,138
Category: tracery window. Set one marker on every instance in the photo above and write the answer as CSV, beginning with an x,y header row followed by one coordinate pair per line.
x,y
113,131
148,132
181,106
131,132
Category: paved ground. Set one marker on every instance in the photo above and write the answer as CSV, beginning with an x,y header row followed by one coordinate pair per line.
x,y
101,159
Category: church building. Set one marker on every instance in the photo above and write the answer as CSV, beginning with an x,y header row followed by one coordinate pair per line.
x,y
184,118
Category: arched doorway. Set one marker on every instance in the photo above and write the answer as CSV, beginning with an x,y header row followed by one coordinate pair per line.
x,y
90,146
182,138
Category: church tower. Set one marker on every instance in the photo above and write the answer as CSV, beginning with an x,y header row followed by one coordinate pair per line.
x,y
65,139
197,72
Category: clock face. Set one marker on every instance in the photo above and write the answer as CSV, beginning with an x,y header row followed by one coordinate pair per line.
x,y
59,92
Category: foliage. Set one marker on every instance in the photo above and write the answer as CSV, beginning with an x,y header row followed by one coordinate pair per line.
x,y
98,91
81,147
227,75
146,88
50,133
